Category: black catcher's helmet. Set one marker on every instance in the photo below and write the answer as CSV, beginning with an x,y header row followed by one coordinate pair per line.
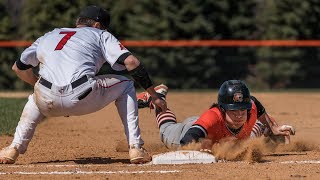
x,y
234,95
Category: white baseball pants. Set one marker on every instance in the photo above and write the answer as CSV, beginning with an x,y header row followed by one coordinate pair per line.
x,y
94,94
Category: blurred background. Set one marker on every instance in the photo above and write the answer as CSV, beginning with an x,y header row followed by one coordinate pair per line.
x,y
185,67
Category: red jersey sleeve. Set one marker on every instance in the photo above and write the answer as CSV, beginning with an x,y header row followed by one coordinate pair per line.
x,y
209,119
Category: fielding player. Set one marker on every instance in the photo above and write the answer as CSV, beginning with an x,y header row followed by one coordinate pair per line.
x,y
69,59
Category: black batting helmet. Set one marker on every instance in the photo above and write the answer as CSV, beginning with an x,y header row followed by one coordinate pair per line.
x,y
234,95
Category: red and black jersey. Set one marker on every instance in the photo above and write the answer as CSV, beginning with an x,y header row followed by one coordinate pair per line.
x,y
211,125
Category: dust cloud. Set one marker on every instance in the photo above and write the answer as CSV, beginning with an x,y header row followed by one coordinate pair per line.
x,y
252,150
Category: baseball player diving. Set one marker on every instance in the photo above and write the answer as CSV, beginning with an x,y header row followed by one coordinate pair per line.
x,y
68,60
236,116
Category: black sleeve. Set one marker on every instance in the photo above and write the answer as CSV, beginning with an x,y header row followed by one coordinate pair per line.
x,y
193,134
22,66
260,107
121,59
106,68
141,76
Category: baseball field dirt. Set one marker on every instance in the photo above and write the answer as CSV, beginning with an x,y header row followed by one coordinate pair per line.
x,y
94,146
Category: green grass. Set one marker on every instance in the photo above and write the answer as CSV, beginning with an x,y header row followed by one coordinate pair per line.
x,y
10,111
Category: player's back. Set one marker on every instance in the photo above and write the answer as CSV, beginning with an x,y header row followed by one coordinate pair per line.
x,y
66,54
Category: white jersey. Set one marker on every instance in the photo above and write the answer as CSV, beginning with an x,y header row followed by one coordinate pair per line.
x,y
66,54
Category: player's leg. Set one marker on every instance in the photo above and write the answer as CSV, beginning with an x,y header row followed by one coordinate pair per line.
x,y
167,123
128,110
25,129
170,130
121,90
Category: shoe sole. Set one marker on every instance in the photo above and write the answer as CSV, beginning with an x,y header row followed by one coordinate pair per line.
x,y
5,160
138,160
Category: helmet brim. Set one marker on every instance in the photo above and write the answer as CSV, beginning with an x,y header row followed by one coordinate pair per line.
x,y
236,106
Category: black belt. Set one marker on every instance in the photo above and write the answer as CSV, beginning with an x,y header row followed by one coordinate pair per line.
x,y
74,84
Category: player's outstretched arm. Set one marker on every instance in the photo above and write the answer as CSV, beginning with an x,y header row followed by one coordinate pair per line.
x,y
141,76
277,133
272,125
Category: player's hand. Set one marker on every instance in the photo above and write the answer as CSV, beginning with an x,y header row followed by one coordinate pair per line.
x,y
284,130
206,146
160,103
281,134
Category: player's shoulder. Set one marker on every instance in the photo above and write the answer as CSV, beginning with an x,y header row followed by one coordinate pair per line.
x,y
86,30
254,103
212,114
211,118
48,33
58,30
52,31
106,33
214,111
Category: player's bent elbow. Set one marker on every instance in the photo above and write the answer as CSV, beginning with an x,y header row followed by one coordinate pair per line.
x,y
131,63
15,68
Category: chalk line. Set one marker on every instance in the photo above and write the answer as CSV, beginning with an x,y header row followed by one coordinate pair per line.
x,y
103,165
59,165
78,171
87,172
301,162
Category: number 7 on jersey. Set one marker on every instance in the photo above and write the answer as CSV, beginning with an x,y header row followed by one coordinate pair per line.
x,y
66,37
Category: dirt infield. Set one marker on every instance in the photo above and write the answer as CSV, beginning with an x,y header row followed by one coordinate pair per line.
x,y
93,146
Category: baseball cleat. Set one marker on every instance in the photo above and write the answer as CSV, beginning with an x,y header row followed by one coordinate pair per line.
x,y
139,155
8,155
144,98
